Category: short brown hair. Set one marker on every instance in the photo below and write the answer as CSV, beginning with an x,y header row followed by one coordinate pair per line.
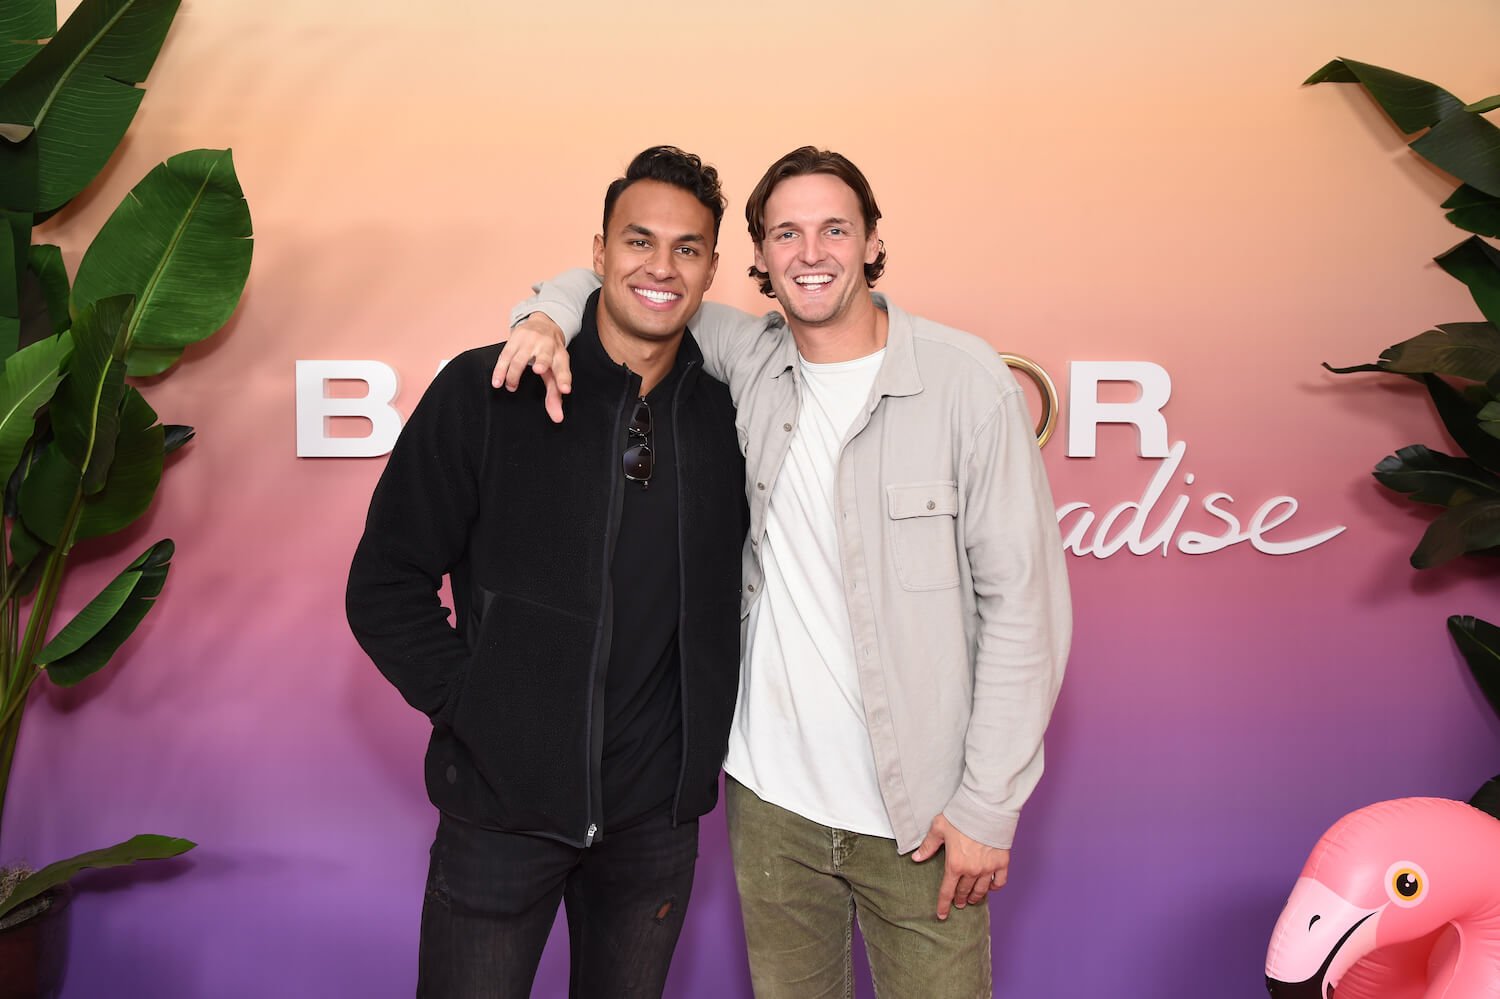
x,y
798,163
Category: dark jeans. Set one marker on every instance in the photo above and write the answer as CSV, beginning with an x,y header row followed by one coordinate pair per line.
x,y
492,898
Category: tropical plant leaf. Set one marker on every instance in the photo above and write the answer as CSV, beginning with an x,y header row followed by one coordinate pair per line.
x,y
1356,368
1462,350
54,486
180,242
1473,210
1459,530
15,237
1460,418
134,475
1413,104
1466,146
45,262
1487,104
49,491
176,435
85,644
1433,477
27,382
143,847
23,23
1477,265
86,412
64,112
1479,642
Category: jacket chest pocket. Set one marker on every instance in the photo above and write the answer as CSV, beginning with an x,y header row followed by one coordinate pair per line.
x,y
922,535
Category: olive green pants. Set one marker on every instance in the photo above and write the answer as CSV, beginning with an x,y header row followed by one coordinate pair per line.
x,y
802,885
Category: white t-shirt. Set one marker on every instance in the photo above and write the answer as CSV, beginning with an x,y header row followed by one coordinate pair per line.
x,y
799,738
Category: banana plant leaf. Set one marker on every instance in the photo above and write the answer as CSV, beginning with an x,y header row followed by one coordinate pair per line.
x,y
1479,642
1470,527
54,486
1462,350
1473,210
27,383
1413,104
45,262
1488,104
1460,418
85,644
1433,477
63,113
15,238
143,847
1458,141
23,21
180,243
1477,264
86,412
175,435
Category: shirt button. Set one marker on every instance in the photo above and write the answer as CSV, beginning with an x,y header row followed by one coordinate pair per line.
x,y
751,587
787,427
760,485
931,505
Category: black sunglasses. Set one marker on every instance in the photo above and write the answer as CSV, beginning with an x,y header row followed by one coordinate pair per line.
x,y
638,463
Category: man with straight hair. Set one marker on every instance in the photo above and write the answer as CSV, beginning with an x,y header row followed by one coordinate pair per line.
x,y
580,706
906,602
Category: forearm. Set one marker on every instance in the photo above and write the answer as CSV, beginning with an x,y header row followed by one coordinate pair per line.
x,y
1024,625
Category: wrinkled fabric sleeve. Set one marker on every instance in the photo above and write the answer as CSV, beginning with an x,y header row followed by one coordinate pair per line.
x,y
724,334
1025,621
417,530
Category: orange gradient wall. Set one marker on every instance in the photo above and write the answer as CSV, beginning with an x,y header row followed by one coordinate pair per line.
x,y
1073,180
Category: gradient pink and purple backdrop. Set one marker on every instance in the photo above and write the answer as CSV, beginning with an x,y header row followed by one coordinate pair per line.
x,y
1072,181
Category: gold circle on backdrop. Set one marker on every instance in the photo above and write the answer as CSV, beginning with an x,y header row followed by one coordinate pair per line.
x,y
1044,387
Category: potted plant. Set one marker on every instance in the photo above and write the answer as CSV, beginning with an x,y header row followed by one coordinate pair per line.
x,y
80,449
1458,363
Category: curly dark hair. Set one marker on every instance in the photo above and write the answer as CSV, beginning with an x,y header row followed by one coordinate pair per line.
x,y
670,165
798,163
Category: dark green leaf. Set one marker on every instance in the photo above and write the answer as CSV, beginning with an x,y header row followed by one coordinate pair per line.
x,y
176,435
45,263
1477,265
22,24
48,494
1461,419
1413,104
143,847
86,643
26,384
1472,527
86,412
1433,477
1479,641
180,242
1488,104
27,20
15,236
1475,211
67,108
134,475
1468,147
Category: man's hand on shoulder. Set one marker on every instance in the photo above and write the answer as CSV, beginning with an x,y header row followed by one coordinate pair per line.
x,y
536,342
971,870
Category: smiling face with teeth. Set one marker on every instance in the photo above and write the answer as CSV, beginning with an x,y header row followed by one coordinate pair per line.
x,y
656,260
815,250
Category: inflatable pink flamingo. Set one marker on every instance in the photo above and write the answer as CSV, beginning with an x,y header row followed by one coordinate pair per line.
x,y
1399,900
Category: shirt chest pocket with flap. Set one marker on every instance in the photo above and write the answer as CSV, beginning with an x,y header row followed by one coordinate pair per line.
x,y
922,530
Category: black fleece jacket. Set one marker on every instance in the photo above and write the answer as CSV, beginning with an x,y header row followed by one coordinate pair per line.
x,y
522,513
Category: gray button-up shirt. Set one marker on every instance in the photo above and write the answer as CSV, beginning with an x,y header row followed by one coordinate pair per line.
x,y
948,544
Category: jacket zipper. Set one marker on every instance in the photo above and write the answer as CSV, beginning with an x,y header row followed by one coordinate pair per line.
x,y
593,785
682,673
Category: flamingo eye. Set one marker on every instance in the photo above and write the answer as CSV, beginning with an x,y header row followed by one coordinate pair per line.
x,y
1405,883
